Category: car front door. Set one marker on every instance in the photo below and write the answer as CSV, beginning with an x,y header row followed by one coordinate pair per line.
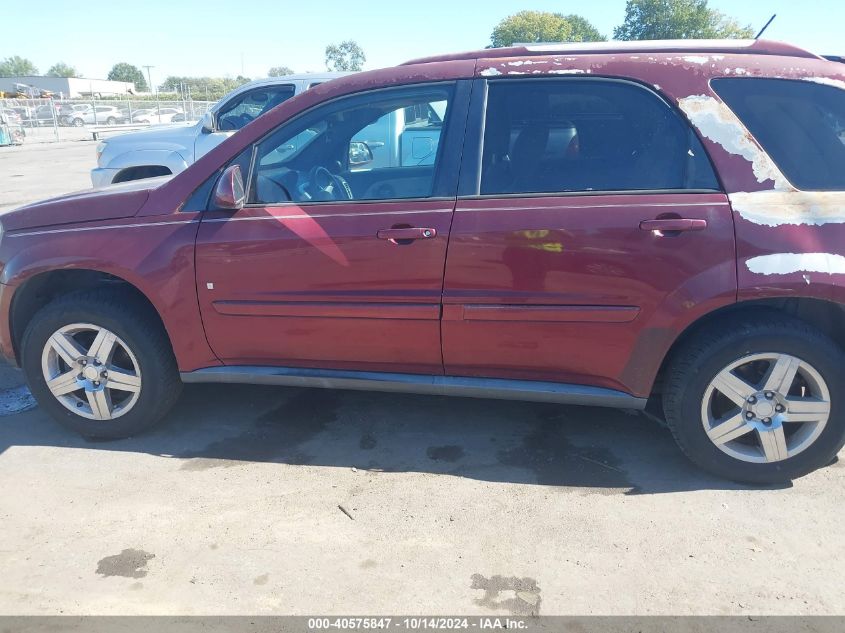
x,y
330,264
589,225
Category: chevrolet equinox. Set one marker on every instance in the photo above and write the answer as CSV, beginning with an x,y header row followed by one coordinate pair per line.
x,y
603,224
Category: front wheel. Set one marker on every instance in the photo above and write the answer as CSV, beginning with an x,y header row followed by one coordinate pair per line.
x,y
757,400
78,123
111,120
100,363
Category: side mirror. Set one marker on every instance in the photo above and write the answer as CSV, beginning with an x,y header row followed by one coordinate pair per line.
x,y
359,154
207,123
229,192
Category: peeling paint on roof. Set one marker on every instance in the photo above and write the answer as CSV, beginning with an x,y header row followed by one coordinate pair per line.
x,y
778,208
718,123
789,263
490,72
572,71
696,59
836,83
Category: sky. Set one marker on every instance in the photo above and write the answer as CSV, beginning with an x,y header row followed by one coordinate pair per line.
x,y
228,38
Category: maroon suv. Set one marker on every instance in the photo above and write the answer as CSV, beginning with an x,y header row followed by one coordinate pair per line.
x,y
593,224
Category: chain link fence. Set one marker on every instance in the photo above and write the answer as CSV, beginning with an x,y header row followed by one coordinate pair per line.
x,y
51,120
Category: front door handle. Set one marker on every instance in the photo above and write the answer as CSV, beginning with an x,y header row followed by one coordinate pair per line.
x,y
398,236
671,225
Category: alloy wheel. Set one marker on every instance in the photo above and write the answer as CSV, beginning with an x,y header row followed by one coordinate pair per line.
x,y
91,371
765,408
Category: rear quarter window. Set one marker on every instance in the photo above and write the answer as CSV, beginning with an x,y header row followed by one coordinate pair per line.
x,y
800,124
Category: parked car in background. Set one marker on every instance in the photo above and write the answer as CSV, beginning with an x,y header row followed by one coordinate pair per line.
x,y
140,113
181,117
12,115
45,115
630,222
156,115
65,110
26,114
98,115
169,150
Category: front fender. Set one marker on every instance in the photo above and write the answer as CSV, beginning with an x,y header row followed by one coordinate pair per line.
x,y
155,255
175,161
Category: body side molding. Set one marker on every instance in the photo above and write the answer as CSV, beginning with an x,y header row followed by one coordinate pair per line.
x,y
530,390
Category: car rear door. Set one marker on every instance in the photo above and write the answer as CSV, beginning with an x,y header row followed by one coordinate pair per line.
x,y
590,224
312,277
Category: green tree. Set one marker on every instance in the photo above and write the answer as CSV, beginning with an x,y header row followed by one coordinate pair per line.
x,y
279,71
130,73
60,69
347,55
16,66
583,30
542,26
677,19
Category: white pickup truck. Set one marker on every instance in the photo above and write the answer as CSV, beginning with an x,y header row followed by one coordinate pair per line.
x,y
169,149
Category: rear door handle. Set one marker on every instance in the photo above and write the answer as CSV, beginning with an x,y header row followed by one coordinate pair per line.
x,y
669,225
410,233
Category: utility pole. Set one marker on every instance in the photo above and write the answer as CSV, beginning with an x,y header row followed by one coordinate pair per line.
x,y
149,79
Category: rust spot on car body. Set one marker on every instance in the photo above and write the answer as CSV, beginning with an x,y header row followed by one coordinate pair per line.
x,y
715,121
778,208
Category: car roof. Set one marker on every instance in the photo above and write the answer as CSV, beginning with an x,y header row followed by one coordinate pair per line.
x,y
750,47
275,81
312,77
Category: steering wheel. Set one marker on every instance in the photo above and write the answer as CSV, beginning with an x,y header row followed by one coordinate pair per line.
x,y
324,185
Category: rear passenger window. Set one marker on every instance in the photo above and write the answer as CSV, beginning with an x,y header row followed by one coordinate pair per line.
x,y
567,135
800,124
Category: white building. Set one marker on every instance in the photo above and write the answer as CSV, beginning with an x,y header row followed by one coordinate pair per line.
x,y
69,87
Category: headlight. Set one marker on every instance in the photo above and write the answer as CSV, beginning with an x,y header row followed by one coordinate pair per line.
x,y
101,146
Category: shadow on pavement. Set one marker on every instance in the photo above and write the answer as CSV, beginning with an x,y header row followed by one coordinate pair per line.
x,y
601,451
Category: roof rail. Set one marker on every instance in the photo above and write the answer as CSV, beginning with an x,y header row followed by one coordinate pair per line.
x,y
750,47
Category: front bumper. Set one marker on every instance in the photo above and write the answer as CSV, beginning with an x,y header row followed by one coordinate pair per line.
x,y
103,176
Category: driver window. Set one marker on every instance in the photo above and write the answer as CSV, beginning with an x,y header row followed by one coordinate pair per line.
x,y
379,146
250,105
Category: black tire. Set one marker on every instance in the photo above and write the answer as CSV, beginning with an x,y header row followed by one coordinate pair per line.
x,y
78,123
138,326
698,361
111,121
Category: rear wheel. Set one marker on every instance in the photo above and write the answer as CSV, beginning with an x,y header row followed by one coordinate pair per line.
x,y
78,123
756,400
111,120
100,363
